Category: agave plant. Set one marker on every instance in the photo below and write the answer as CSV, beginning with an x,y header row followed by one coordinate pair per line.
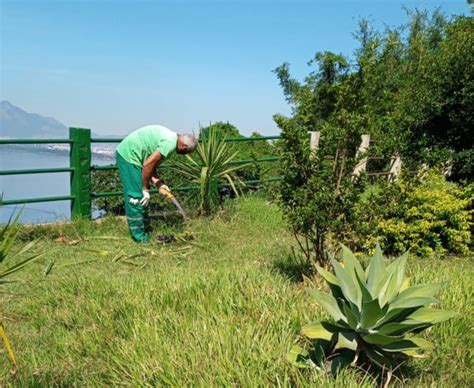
x,y
214,161
376,316
8,235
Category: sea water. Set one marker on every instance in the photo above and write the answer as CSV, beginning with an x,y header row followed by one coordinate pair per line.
x,y
37,185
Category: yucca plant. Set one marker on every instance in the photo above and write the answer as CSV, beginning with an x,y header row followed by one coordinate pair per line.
x,y
376,316
213,161
8,235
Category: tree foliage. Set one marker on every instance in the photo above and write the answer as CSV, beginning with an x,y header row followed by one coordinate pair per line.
x,y
411,88
417,88
317,189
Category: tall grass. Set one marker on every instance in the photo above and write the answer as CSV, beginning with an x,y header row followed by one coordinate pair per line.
x,y
223,313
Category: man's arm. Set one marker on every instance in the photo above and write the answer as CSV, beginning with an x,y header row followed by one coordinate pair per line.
x,y
149,167
155,179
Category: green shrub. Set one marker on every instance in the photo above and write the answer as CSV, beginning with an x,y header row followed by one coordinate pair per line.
x,y
376,314
317,191
427,214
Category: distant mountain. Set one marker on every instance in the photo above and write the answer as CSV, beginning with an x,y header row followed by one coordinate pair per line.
x,y
15,122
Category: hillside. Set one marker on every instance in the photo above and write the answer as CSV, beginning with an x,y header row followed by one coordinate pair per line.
x,y
15,122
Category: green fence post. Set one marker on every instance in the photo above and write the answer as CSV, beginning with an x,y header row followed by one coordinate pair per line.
x,y
80,161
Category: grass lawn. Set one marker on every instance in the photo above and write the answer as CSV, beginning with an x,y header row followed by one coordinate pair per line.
x,y
221,312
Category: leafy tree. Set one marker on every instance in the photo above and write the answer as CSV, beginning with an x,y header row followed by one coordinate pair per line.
x,y
317,189
411,88
417,86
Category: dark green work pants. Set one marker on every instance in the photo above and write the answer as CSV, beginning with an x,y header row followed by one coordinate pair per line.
x,y
137,215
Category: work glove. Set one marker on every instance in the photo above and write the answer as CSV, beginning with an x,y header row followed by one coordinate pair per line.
x,y
145,199
164,189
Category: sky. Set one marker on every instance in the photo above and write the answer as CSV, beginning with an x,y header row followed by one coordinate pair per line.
x,y
115,65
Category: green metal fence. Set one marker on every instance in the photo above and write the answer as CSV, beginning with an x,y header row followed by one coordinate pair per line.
x,y
80,169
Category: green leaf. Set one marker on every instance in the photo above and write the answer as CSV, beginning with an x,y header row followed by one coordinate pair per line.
x,y
299,357
316,331
231,183
429,315
8,234
394,314
350,316
328,303
411,302
346,340
334,328
366,295
405,284
204,184
49,268
348,283
380,339
331,280
375,271
351,263
396,328
381,289
20,265
423,291
397,268
26,248
407,344
371,313
328,276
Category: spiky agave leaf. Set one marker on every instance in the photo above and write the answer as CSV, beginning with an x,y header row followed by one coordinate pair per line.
x,y
376,311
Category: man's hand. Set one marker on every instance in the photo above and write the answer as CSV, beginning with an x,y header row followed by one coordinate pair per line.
x,y
145,199
164,189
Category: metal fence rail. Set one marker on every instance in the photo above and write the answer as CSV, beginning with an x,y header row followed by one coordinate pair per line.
x,y
80,169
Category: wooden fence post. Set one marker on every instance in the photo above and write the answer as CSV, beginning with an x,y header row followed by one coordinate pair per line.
x,y
395,168
361,164
314,141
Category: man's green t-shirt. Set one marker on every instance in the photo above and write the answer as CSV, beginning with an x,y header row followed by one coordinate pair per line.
x,y
140,144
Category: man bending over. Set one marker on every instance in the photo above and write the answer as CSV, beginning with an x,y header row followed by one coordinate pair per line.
x,y
138,156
